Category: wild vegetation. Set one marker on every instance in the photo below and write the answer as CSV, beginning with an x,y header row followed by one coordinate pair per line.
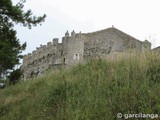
x,y
96,90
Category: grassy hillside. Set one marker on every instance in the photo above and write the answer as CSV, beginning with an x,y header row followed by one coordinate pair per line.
x,y
97,90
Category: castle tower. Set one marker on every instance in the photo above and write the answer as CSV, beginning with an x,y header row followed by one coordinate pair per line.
x,y
73,48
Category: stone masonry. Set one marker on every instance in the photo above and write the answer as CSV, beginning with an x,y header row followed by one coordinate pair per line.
x,y
78,48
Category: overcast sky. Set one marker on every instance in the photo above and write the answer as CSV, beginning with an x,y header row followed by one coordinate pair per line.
x,y
138,18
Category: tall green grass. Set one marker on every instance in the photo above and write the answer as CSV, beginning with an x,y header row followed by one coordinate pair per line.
x,y
96,90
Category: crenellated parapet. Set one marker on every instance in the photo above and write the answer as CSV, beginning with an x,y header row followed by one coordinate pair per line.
x,y
51,48
27,59
55,41
40,52
72,36
67,34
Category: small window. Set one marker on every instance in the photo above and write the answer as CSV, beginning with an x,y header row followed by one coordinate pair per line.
x,y
64,60
76,56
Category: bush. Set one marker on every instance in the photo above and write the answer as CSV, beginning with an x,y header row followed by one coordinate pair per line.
x,y
14,76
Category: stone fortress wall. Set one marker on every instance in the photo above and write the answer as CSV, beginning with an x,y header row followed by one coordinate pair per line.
x,y
79,47
101,43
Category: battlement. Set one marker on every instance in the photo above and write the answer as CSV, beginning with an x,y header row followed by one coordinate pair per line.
x,y
55,41
73,34
40,52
